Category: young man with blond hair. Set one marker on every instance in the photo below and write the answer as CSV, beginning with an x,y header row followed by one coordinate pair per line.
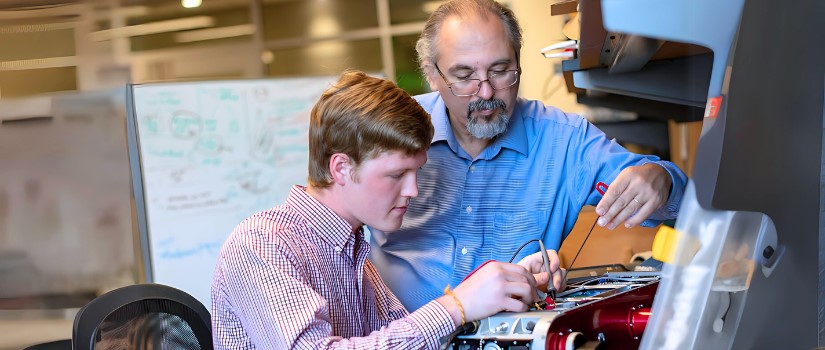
x,y
297,275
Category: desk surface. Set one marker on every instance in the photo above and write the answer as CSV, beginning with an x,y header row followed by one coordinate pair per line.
x,y
18,334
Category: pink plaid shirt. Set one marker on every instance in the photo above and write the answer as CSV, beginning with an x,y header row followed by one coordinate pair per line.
x,y
296,276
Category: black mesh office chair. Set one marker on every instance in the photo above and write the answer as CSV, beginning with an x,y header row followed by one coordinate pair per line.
x,y
143,316
65,344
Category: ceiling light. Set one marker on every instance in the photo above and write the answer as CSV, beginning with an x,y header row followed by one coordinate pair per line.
x,y
170,25
215,33
190,3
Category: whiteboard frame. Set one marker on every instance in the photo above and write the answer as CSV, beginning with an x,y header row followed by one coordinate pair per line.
x,y
138,193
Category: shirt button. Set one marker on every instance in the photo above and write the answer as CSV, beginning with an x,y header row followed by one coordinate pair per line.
x,y
338,249
469,210
472,168
464,251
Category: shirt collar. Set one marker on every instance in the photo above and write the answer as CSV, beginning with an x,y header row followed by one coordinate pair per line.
x,y
514,138
324,222
441,123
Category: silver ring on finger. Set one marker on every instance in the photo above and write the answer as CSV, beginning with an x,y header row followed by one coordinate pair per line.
x,y
637,202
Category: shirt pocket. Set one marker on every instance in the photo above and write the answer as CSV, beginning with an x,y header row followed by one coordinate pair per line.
x,y
512,229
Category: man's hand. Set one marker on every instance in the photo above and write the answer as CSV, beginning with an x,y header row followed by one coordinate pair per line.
x,y
495,287
637,191
534,263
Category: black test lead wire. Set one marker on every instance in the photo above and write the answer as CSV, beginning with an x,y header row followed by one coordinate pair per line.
x,y
564,274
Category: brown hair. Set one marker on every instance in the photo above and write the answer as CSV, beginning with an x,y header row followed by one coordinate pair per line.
x,y
427,48
362,116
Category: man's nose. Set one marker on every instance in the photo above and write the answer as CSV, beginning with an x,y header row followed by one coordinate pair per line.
x,y
485,90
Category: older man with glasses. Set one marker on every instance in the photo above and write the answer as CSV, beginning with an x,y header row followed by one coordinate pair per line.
x,y
504,171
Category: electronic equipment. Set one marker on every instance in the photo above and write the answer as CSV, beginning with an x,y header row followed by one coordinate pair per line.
x,y
607,310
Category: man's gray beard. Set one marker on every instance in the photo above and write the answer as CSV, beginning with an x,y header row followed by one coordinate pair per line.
x,y
488,130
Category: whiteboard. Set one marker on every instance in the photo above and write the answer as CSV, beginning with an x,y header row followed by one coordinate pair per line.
x,y
206,155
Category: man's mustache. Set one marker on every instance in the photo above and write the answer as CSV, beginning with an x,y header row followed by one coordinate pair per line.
x,y
480,105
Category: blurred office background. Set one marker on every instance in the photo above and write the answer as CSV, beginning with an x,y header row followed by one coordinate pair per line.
x,y
67,231
73,45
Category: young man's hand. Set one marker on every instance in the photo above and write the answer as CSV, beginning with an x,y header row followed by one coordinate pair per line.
x,y
493,288
534,263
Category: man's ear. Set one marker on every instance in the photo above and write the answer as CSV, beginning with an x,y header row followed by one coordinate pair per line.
x,y
431,75
340,168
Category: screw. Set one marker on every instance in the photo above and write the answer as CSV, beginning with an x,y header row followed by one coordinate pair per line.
x,y
768,252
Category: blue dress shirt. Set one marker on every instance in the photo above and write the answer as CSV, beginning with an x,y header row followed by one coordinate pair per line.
x,y
530,183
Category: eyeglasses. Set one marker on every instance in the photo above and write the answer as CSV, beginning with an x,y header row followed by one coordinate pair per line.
x,y
468,87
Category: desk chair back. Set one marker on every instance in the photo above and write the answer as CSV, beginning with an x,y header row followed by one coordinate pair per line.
x,y
64,344
143,316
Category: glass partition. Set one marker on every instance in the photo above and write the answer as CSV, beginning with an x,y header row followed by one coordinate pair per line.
x,y
65,210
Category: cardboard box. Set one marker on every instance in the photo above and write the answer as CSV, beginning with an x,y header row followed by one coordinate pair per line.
x,y
604,247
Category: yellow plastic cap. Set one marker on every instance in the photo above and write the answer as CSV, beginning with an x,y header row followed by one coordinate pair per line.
x,y
669,243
